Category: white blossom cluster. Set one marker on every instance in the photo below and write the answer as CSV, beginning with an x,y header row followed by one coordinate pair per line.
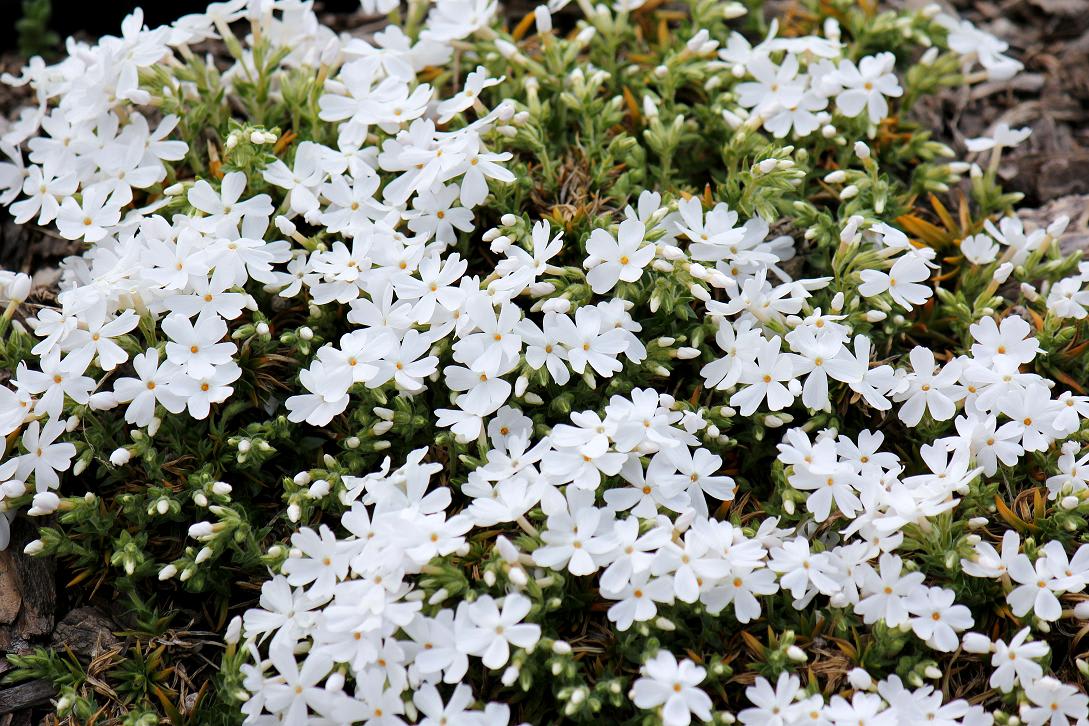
x,y
632,493
89,148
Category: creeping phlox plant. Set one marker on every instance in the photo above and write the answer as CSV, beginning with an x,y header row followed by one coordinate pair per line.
x,y
642,362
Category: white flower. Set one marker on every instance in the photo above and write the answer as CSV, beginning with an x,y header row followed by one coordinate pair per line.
x,y
673,686
45,455
936,619
488,632
614,259
1002,136
979,249
930,390
773,707
766,378
866,86
575,541
1054,703
1015,663
901,282
1036,589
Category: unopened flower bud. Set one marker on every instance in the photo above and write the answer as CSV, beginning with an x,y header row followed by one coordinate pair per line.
x,y
859,679
976,643
1003,272
319,489
1056,228
733,10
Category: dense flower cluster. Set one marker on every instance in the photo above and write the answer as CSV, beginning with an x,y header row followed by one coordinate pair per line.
x,y
613,437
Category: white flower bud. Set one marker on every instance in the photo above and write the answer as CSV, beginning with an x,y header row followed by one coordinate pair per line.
x,y
1069,503
120,456
541,288
520,386
1056,228
1003,272
201,530
687,353
518,576
699,292
1081,610
305,333
733,10
976,643
167,572
796,654
285,225
556,305
875,316
859,679
849,192
44,503
506,49
294,512
319,489
932,672
861,150
767,166
33,547
836,177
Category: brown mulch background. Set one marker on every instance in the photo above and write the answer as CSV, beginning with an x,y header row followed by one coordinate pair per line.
x,y
1051,37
